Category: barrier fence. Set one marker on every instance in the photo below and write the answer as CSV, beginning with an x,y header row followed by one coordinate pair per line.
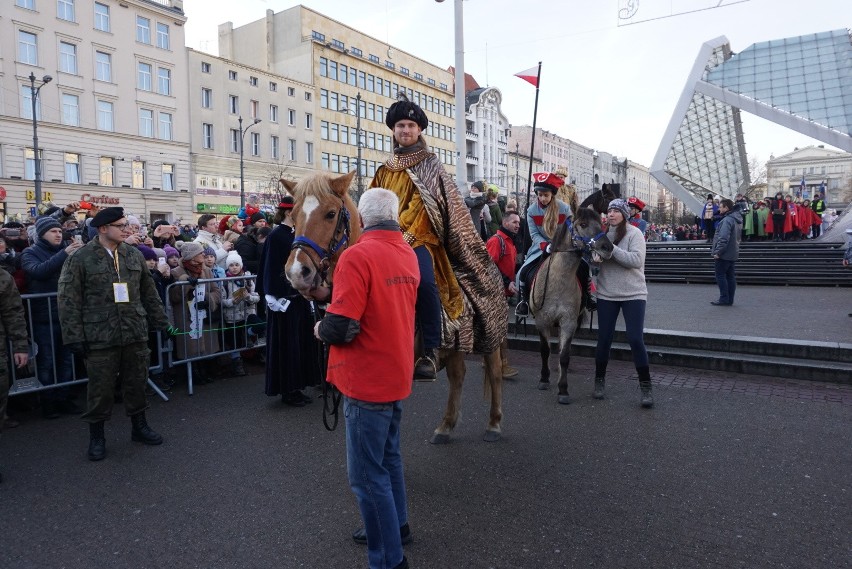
x,y
52,366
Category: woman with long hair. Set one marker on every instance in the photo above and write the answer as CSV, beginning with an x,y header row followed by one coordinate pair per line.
x,y
621,288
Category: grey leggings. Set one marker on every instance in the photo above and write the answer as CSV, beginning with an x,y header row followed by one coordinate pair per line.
x,y
634,321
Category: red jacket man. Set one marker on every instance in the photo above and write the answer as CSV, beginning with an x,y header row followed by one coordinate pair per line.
x,y
501,248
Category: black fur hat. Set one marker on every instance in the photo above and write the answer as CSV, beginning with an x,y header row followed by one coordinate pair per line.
x,y
404,109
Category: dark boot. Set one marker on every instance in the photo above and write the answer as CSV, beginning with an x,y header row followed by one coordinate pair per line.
x,y
600,381
426,367
237,367
97,441
645,387
142,433
359,536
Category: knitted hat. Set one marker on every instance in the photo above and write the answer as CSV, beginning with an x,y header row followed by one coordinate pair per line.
x,y
171,251
405,110
147,252
257,216
224,225
133,220
234,258
208,251
619,205
45,224
160,252
190,250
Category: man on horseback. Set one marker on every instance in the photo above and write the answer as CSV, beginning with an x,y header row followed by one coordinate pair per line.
x,y
457,303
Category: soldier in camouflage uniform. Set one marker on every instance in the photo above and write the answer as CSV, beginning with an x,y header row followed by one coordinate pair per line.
x,y
107,301
12,327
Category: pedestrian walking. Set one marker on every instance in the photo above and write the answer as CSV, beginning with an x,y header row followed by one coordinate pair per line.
x,y
726,251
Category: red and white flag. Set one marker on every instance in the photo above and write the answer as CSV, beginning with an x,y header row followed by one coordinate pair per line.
x,y
530,75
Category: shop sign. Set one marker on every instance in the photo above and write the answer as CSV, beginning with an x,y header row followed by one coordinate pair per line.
x,y
2,194
45,196
217,208
99,200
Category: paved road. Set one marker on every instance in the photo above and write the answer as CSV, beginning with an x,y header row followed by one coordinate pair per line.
x,y
724,472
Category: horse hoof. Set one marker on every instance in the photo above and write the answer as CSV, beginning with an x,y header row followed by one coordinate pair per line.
x,y
543,385
491,436
564,400
440,439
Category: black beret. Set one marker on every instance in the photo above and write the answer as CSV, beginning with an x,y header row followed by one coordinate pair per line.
x,y
406,110
107,215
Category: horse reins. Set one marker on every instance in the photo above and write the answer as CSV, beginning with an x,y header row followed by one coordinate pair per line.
x,y
588,244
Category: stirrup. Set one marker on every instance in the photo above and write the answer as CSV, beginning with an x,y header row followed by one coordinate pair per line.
x,y
522,308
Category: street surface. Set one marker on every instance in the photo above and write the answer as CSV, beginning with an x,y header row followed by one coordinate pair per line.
x,y
739,471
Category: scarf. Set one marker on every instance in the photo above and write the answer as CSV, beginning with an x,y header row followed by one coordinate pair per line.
x,y
193,272
405,157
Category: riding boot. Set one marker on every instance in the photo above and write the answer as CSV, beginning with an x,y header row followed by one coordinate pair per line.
x,y
508,371
97,441
426,367
600,380
523,306
645,386
141,432
589,302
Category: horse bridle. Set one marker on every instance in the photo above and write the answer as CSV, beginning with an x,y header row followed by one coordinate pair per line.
x,y
339,240
588,242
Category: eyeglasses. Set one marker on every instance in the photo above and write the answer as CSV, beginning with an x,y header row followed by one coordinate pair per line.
x,y
121,226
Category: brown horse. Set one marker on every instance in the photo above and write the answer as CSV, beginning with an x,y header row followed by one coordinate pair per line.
x,y
326,222
555,297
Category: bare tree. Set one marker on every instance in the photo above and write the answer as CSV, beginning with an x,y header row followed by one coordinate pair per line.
x,y
271,193
758,173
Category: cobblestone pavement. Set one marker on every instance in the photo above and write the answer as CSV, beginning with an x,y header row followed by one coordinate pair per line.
x,y
723,472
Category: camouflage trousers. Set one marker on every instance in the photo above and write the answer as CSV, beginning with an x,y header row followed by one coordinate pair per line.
x,y
125,364
4,386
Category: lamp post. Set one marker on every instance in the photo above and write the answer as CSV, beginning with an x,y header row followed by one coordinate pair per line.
x,y
242,164
461,137
517,172
594,163
357,139
34,91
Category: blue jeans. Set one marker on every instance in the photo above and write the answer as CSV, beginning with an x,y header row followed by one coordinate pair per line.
x,y
428,305
634,325
726,278
375,475
54,361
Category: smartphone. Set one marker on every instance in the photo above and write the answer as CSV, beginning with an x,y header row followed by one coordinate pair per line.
x,y
78,239
161,261
85,205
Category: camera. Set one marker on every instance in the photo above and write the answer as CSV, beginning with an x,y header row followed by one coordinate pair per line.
x,y
11,233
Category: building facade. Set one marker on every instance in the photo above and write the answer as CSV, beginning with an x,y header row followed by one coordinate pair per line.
x,y
113,121
281,144
357,78
518,171
821,168
486,138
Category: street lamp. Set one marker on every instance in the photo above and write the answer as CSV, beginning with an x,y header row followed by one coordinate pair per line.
x,y
461,137
357,138
33,98
242,165
517,172
594,163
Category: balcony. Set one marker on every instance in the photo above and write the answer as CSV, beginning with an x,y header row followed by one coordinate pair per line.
x,y
472,159
471,135
502,143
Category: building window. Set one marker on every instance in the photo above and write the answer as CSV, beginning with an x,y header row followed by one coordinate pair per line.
x,y
65,10
29,163
307,95
68,58
291,91
317,36
332,70
390,64
233,104
403,70
137,174
274,147
254,108
323,64
323,98
28,4
273,113
27,48
205,67
444,86
163,41
235,140
309,152
164,81
144,76
309,121
291,150
165,126
255,144
146,123
143,29
103,66
27,103
206,98
338,44
207,135
374,58
333,132
273,86
253,81
418,76
107,171
72,168
101,17
168,177
105,121
70,109
324,130
291,117
356,51
232,75
324,158
431,82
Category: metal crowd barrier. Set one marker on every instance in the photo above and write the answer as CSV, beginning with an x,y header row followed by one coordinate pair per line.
x,y
194,338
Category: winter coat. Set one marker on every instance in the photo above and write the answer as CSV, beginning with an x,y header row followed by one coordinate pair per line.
x,y
208,239
238,310
179,295
42,264
726,241
13,326
535,222
249,249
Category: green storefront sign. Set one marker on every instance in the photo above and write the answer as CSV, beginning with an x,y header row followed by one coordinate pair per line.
x,y
217,208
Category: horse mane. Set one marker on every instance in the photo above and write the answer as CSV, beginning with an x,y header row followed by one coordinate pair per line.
x,y
586,214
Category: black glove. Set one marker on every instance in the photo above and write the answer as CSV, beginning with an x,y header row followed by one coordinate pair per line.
x,y
192,281
79,349
202,305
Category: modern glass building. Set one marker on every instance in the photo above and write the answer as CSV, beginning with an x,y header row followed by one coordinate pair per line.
x,y
802,83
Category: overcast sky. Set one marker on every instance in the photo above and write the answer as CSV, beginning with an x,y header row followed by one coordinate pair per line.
x,y
603,85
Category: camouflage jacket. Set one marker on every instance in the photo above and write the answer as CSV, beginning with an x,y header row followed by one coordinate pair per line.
x,y
12,324
87,310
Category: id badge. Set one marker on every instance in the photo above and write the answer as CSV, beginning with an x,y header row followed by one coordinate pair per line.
x,y
120,292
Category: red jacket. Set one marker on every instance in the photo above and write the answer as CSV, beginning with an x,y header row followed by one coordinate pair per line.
x,y
502,250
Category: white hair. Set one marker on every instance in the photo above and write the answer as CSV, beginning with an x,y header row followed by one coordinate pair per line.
x,y
378,205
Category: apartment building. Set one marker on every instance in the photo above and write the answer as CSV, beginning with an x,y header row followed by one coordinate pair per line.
x,y
276,136
486,138
356,78
113,120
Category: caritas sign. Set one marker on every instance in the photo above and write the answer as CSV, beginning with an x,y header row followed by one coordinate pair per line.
x,y
107,200
2,194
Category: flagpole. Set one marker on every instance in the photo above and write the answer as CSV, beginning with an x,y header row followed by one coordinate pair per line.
x,y
532,147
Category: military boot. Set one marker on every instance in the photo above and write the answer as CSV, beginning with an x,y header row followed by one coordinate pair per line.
x,y
97,441
142,433
647,400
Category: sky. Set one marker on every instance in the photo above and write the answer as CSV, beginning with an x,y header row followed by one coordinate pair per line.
x,y
607,86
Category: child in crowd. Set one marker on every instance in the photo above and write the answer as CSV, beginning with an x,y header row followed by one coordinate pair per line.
x,y
172,256
239,309
161,273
